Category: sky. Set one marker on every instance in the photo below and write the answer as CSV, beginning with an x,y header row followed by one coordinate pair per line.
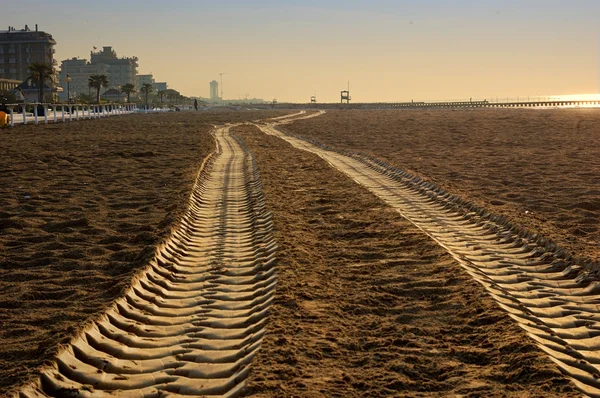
x,y
290,50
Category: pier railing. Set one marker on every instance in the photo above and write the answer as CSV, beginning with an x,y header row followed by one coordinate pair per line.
x,y
437,105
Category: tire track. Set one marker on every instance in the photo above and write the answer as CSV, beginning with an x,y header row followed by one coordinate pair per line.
x,y
193,320
554,298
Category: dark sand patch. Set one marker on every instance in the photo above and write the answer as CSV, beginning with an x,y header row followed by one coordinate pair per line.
x,y
367,305
541,168
82,206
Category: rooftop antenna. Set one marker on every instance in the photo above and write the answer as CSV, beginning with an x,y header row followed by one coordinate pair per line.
x,y
221,74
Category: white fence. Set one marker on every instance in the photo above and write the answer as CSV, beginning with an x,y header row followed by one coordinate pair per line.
x,y
65,112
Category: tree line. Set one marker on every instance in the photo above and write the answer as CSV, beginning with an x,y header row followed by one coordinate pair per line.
x,y
41,72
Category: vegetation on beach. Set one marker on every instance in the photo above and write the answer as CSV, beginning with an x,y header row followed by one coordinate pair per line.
x,y
97,82
40,72
146,89
128,89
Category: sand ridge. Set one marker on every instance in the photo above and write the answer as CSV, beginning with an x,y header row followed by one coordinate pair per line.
x,y
367,305
191,323
362,308
539,168
552,298
82,208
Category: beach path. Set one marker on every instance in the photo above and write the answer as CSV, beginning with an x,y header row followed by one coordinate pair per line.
x,y
194,318
551,297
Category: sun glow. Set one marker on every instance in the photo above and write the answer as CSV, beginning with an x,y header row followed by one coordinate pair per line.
x,y
577,97
585,100
580,101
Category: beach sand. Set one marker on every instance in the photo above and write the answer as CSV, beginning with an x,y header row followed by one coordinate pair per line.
x,y
540,168
82,206
368,306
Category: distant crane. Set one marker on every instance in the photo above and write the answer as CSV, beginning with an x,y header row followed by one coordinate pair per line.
x,y
221,74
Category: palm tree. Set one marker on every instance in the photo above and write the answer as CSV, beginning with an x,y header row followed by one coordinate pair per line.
x,y
40,71
161,94
128,89
97,81
147,88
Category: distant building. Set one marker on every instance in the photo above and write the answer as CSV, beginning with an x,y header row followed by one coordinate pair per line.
x,y
121,71
79,70
20,48
214,91
201,100
8,84
140,80
30,89
159,86
247,101
114,95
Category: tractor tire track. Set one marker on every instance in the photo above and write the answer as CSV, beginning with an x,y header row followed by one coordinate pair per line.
x,y
193,320
553,297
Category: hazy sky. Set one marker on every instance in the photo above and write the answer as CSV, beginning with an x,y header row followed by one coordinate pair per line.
x,y
389,50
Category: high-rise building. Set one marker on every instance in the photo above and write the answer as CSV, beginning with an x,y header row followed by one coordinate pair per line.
x,y
20,48
79,72
121,71
214,90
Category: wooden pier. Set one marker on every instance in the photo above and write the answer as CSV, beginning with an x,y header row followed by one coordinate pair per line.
x,y
440,105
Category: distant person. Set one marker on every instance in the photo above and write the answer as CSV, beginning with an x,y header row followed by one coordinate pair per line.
x,y
20,99
195,104
20,96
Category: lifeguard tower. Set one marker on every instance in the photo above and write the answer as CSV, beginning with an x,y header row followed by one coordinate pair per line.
x,y
345,95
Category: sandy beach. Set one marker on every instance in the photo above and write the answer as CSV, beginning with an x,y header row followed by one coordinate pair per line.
x,y
82,207
540,168
300,199
366,303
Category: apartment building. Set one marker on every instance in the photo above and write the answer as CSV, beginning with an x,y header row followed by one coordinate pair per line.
x,y
121,71
21,47
79,72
